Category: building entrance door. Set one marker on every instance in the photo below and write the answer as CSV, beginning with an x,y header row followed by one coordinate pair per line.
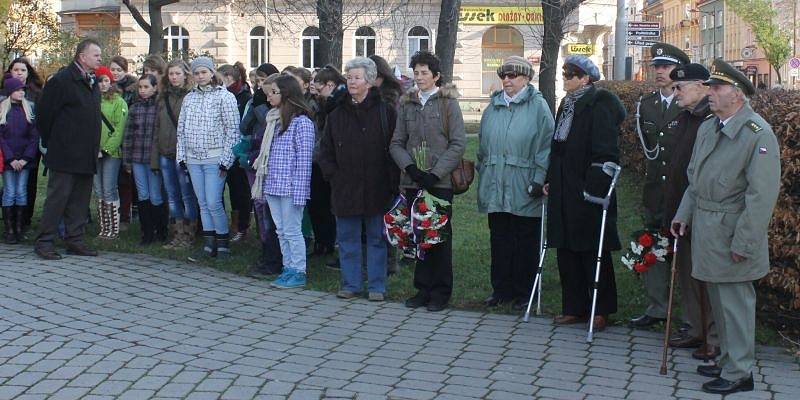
x,y
499,43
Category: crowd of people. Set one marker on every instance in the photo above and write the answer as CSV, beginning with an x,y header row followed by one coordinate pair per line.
x,y
332,149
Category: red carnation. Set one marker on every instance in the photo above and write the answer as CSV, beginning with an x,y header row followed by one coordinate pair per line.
x,y
388,219
443,219
649,259
431,234
639,267
646,240
426,224
425,246
422,207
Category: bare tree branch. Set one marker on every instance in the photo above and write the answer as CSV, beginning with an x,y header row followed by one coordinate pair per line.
x,y
137,16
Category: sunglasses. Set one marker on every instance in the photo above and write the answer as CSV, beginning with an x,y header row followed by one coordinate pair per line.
x,y
568,75
509,75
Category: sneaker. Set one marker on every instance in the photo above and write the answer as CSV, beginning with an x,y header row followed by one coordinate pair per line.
x,y
375,296
345,294
294,280
280,281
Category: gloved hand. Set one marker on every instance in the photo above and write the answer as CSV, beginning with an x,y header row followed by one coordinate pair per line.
x,y
182,164
428,180
414,173
535,190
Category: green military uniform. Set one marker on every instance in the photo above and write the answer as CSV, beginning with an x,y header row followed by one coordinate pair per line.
x,y
734,179
658,123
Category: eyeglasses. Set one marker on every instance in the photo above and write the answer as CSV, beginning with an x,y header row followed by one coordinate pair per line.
x,y
509,75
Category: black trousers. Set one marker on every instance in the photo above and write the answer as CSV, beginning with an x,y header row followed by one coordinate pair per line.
x,y
68,197
577,270
433,276
515,246
239,194
319,209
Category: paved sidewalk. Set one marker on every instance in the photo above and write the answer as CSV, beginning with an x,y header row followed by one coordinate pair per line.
x,y
137,327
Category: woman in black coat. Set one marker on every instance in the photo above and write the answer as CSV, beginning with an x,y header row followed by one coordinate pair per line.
x,y
587,130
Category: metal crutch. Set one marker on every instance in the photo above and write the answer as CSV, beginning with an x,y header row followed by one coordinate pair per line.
x,y
537,282
613,170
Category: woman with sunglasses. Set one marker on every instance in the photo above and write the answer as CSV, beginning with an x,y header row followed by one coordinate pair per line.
x,y
586,135
513,154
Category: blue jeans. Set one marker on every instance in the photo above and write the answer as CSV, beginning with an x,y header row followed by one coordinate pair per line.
x,y
148,184
208,187
105,180
348,234
288,222
15,187
180,195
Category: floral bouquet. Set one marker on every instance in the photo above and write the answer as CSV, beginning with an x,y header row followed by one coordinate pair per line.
x,y
647,248
397,225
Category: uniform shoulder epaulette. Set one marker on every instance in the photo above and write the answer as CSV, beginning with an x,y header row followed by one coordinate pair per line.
x,y
709,116
649,95
754,126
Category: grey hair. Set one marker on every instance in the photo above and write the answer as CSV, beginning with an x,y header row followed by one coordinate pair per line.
x,y
369,67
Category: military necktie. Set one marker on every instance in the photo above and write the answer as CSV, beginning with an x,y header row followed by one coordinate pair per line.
x,y
720,126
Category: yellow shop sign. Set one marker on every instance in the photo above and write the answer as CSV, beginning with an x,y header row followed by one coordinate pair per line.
x,y
500,15
580,48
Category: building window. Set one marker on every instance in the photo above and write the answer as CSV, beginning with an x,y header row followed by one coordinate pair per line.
x,y
719,18
365,41
718,52
418,39
259,46
176,39
310,48
497,44
705,22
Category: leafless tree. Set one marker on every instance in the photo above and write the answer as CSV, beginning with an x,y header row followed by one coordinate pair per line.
x,y
446,36
556,15
154,28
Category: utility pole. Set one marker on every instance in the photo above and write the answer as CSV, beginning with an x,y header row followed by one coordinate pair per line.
x,y
620,42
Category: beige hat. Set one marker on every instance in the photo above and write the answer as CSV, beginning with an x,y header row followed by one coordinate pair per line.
x,y
516,64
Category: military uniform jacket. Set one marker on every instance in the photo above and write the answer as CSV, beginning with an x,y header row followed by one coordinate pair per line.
x,y
659,129
734,179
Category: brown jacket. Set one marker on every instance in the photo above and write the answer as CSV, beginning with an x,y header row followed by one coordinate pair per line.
x,y
165,135
416,123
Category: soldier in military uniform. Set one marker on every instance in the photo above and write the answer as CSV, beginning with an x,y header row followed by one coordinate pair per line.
x,y
734,179
657,122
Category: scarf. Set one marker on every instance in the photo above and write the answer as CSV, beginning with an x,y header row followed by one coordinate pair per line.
x,y
565,122
235,88
262,160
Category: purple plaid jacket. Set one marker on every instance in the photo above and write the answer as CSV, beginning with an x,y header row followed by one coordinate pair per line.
x,y
289,166
139,132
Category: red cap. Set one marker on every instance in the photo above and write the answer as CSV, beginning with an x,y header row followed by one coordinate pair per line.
x,y
103,70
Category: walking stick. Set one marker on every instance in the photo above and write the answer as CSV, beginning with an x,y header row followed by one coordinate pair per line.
x,y
703,320
537,282
669,306
613,170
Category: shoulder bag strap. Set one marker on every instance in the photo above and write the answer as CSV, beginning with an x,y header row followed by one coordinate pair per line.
x,y
445,116
169,111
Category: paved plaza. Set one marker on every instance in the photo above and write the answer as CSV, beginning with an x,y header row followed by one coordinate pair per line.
x,y
138,327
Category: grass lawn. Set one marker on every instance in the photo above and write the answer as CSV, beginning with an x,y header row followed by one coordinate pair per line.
x,y
471,258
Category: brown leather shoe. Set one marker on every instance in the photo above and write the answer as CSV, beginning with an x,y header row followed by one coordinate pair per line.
x,y
600,323
685,342
47,253
80,249
569,319
706,352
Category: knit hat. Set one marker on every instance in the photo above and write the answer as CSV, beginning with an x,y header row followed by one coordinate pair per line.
x,y
203,62
516,64
586,65
11,85
267,69
104,71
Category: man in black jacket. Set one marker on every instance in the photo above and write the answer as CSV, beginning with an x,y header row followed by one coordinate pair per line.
x,y
68,119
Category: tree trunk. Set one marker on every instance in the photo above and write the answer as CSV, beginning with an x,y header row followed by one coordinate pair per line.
x,y
553,16
446,36
331,32
156,29
778,73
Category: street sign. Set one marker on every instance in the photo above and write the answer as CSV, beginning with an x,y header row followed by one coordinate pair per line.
x,y
582,49
645,33
641,43
794,72
633,25
794,62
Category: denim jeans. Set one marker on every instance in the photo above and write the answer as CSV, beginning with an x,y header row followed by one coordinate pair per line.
x,y
148,184
105,180
15,187
208,187
288,220
180,195
348,234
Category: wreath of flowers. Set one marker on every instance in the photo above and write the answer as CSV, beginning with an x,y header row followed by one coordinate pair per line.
x,y
647,248
417,228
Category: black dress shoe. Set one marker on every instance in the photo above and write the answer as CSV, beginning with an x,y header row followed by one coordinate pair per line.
x,y
494,301
519,305
417,301
711,371
334,264
47,254
436,306
707,352
644,321
685,342
724,386
80,249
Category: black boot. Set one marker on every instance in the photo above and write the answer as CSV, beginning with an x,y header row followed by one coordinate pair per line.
x,y
8,222
19,219
267,263
146,221
223,245
161,222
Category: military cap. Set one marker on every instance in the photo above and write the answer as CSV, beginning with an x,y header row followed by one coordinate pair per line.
x,y
723,73
689,72
666,54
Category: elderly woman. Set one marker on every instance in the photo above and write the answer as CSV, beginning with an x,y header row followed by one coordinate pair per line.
x,y
586,137
354,158
430,113
512,163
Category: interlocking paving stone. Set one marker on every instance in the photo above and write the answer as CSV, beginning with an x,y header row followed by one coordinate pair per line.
x,y
134,327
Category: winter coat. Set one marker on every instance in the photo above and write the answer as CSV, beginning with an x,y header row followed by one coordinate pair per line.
x,y
243,96
289,165
19,139
572,222
330,103
116,112
208,125
253,125
416,123
354,157
129,89
139,132
165,140
513,153
69,123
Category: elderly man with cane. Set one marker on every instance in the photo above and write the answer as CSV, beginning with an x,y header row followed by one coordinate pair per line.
x,y
734,179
